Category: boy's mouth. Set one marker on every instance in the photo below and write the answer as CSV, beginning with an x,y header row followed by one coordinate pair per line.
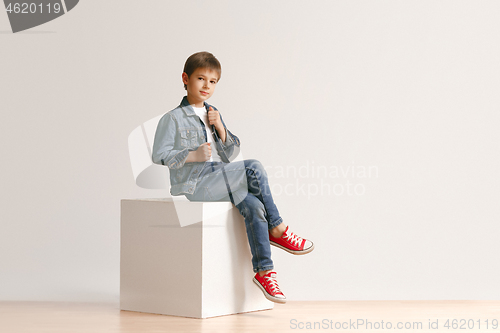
x,y
204,93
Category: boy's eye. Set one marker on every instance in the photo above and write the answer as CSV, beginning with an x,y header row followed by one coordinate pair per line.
x,y
213,82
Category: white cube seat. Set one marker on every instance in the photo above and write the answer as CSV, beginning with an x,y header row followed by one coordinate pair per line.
x,y
184,258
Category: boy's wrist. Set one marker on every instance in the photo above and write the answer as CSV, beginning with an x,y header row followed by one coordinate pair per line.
x,y
222,134
191,157
220,128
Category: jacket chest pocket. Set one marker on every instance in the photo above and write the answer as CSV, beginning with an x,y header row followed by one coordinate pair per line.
x,y
189,138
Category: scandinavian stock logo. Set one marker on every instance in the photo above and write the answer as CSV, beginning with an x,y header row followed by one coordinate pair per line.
x,y
29,14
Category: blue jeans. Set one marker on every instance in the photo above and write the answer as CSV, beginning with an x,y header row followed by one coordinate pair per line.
x,y
245,184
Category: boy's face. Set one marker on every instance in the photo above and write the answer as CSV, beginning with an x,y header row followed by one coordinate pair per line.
x,y
201,85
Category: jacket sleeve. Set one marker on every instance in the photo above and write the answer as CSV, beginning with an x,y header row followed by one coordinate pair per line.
x,y
164,143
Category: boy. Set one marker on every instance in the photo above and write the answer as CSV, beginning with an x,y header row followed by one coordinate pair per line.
x,y
184,142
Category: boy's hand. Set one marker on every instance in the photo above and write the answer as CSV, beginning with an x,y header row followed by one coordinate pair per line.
x,y
204,152
214,119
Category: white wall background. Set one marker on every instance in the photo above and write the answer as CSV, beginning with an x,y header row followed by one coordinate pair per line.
x,y
409,87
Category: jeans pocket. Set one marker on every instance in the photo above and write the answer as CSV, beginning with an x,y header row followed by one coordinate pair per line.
x,y
207,195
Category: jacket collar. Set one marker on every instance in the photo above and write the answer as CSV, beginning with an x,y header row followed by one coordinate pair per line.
x,y
188,109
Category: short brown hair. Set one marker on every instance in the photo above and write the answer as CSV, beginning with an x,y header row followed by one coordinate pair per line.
x,y
201,60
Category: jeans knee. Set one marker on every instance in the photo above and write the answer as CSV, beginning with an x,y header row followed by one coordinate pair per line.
x,y
255,166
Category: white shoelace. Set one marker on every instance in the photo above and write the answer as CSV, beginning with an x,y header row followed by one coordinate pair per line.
x,y
294,239
273,284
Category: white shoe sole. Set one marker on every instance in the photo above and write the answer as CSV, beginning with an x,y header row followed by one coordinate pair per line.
x,y
269,297
292,251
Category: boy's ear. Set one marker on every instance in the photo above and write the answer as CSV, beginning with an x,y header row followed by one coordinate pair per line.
x,y
185,77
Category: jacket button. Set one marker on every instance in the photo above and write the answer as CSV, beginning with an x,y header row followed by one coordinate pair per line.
x,y
190,188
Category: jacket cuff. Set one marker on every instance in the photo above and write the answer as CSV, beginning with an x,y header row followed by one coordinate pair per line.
x,y
178,160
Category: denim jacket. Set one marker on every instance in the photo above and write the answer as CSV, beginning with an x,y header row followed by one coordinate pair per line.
x,y
180,131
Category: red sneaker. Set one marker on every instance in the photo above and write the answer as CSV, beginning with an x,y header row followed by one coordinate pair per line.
x,y
292,243
269,287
